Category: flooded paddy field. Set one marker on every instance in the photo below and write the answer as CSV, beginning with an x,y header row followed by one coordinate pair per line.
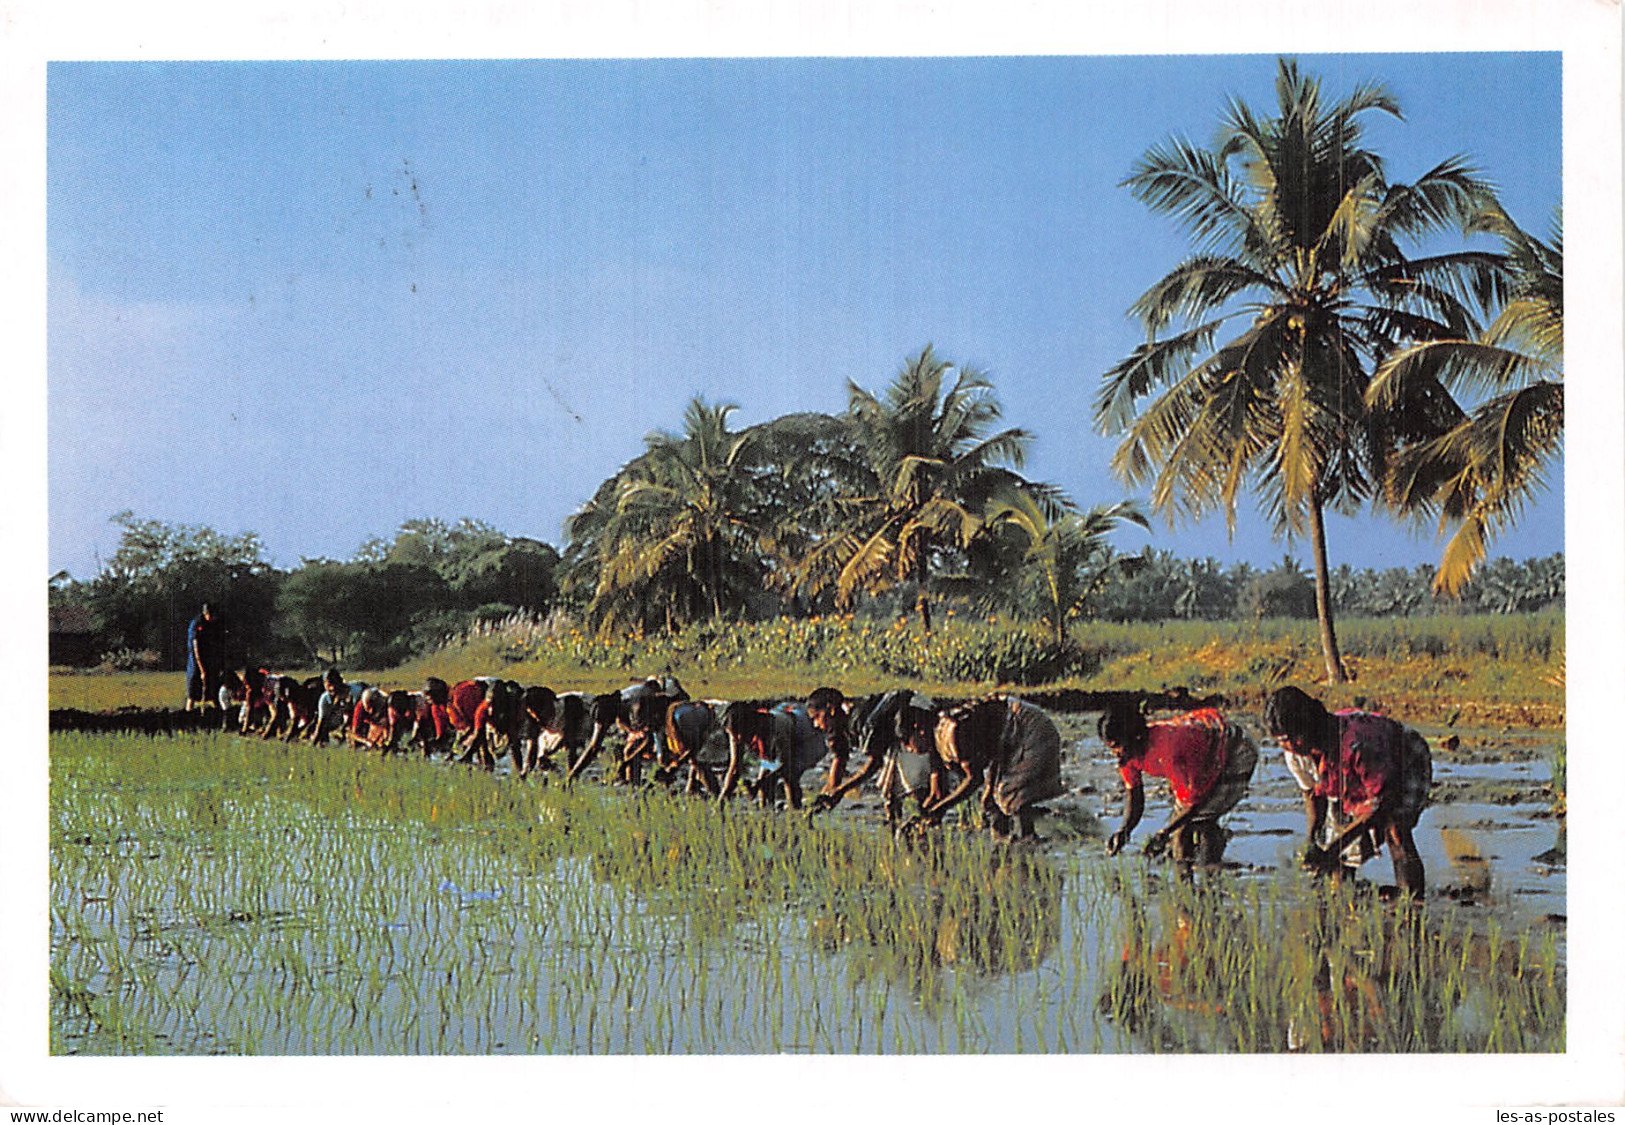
x,y
217,895
1489,839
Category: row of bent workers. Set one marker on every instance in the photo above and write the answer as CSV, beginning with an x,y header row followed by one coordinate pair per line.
x,y
1365,777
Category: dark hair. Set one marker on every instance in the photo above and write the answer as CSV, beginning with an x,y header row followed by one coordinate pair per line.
x,y
1122,725
569,713
742,718
825,699
648,711
912,720
978,726
1297,714
540,703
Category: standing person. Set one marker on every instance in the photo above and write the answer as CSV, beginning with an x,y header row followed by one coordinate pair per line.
x,y
1006,746
204,649
1376,770
1207,761
872,725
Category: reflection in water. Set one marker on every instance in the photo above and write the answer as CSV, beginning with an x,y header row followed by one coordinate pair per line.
x,y
1467,864
365,908
1009,925
1203,969
1367,998
1164,988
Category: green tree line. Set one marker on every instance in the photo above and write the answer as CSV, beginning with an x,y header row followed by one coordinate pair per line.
x,y
433,581
392,599
1335,339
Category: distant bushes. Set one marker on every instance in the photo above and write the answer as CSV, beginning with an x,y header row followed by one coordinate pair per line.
x,y
1492,669
131,660
1201,655
1528,636
832,648
1534,636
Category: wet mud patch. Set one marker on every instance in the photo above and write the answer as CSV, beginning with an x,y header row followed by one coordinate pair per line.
x,y
1489,840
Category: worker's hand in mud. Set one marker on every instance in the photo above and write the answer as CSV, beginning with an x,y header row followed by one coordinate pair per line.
x,y
1156,844
915,826
822,803
1115,844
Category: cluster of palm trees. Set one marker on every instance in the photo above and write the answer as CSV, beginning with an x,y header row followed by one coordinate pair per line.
x,y
915,486
1157,585
1325,345
1308,351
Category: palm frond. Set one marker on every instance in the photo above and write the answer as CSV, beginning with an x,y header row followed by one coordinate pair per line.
x,y
1196,287
1196,188
1449,196
1462,365
1150,365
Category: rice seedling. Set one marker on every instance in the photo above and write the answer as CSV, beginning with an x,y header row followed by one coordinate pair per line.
x,y
215,895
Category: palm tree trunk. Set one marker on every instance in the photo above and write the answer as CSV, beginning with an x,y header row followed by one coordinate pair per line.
x,y
922,597
1323,593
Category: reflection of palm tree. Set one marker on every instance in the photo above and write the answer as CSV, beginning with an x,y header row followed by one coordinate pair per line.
x,y
1478,475
1298,232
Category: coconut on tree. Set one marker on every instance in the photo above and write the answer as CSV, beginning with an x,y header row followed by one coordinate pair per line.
x,y
1261,344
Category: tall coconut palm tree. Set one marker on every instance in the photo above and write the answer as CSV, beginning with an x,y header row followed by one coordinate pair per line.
x,y
673,537
1298,288
917,469
1477,476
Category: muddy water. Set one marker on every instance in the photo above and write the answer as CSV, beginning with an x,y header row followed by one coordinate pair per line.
x,y
1489,843
362,936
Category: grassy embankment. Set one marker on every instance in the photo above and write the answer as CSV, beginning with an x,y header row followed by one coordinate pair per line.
x,y
1484,672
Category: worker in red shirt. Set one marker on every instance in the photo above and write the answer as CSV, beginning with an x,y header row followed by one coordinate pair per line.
x,y
1374,770
1207,761
369,722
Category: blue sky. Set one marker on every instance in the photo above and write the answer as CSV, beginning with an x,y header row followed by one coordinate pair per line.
x,y
313,300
